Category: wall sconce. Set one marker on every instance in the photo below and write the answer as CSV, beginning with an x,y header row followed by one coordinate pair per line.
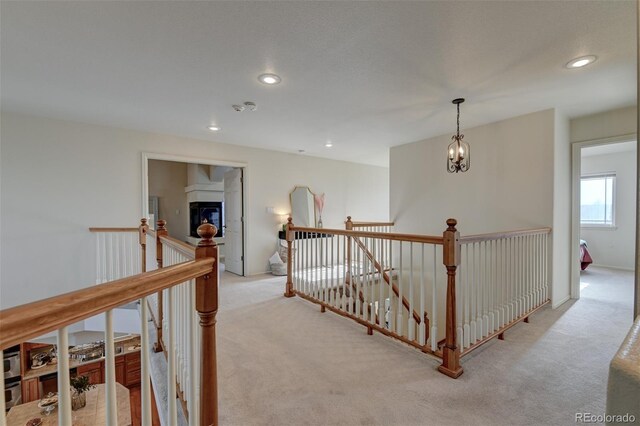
x,y
458,152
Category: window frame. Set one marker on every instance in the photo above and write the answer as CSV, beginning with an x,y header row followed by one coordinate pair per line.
x,y
605,175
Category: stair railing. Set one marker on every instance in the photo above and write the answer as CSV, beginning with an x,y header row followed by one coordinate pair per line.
x,y
344,271
389,281
21,323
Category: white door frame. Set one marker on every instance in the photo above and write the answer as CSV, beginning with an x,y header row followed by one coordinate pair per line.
x,y
146,156
576,166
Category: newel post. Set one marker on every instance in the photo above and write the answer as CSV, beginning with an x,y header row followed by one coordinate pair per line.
x,y
348,225
290,237
142,239
161,231
207,307
451,259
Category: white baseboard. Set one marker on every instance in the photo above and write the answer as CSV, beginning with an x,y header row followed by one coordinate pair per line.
x,y
619,268
566,299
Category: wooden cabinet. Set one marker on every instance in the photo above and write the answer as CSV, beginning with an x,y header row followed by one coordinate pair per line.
x,y
30,390
120,370
95,372
132,370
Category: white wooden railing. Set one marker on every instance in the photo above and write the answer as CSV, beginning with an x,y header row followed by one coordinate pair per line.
x,y
502,279
445,295
183,345
117,253
388,282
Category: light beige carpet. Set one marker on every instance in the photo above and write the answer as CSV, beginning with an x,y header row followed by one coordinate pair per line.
x,y
282,362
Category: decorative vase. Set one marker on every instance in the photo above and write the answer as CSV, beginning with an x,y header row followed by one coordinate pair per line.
x,y
78,400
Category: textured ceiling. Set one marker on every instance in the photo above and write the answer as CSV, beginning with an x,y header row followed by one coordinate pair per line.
x,y
365,75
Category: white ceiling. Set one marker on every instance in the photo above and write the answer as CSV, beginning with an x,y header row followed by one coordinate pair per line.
x,y
365,75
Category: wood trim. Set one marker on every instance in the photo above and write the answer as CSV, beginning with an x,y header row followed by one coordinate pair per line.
x,y
25,322
113,229
426,239
501,330
500,235
426,349
151,232
184,248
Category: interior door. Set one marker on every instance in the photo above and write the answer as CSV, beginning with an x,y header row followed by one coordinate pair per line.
x,y
234,212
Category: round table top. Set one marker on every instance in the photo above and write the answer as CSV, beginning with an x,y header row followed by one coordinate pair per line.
x,y
94,413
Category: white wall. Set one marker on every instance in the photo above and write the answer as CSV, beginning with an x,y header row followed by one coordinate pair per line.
x,y
615,247
59,178
606,124
509,186
167,180
561,251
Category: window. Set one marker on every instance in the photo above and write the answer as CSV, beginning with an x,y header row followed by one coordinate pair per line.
x,y
597,200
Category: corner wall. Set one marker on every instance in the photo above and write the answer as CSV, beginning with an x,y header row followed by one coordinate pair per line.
x,y
561,252
59,178
510,185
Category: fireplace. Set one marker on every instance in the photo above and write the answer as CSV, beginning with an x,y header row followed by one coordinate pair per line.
x,y
213,211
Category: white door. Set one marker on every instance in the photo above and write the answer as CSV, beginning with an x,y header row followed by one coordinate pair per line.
x,y
233,241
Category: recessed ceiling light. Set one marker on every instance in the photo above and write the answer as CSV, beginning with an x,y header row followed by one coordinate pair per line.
x,y
329,144
213,128
270,79
581,61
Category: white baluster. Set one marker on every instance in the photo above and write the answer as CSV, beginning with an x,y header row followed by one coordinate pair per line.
x,y
411,324
467,300
400,292
381,297
3,408
490,289
433,336
98,259
486,291
172,414
110,371
392,318
145,384
193,330
64,386
459,303
421,330
479,291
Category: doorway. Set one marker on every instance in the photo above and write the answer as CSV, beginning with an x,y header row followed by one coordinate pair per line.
x,y
603,211
181,189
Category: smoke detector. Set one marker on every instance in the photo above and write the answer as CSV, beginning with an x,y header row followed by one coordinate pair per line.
x,y
251,106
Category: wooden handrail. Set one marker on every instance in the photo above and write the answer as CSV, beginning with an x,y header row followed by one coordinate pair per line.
x,y
427,239
184,248
113,229
151,232
500,235
24,322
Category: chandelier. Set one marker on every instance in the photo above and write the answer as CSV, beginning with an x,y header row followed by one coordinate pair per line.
x,y
459,155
